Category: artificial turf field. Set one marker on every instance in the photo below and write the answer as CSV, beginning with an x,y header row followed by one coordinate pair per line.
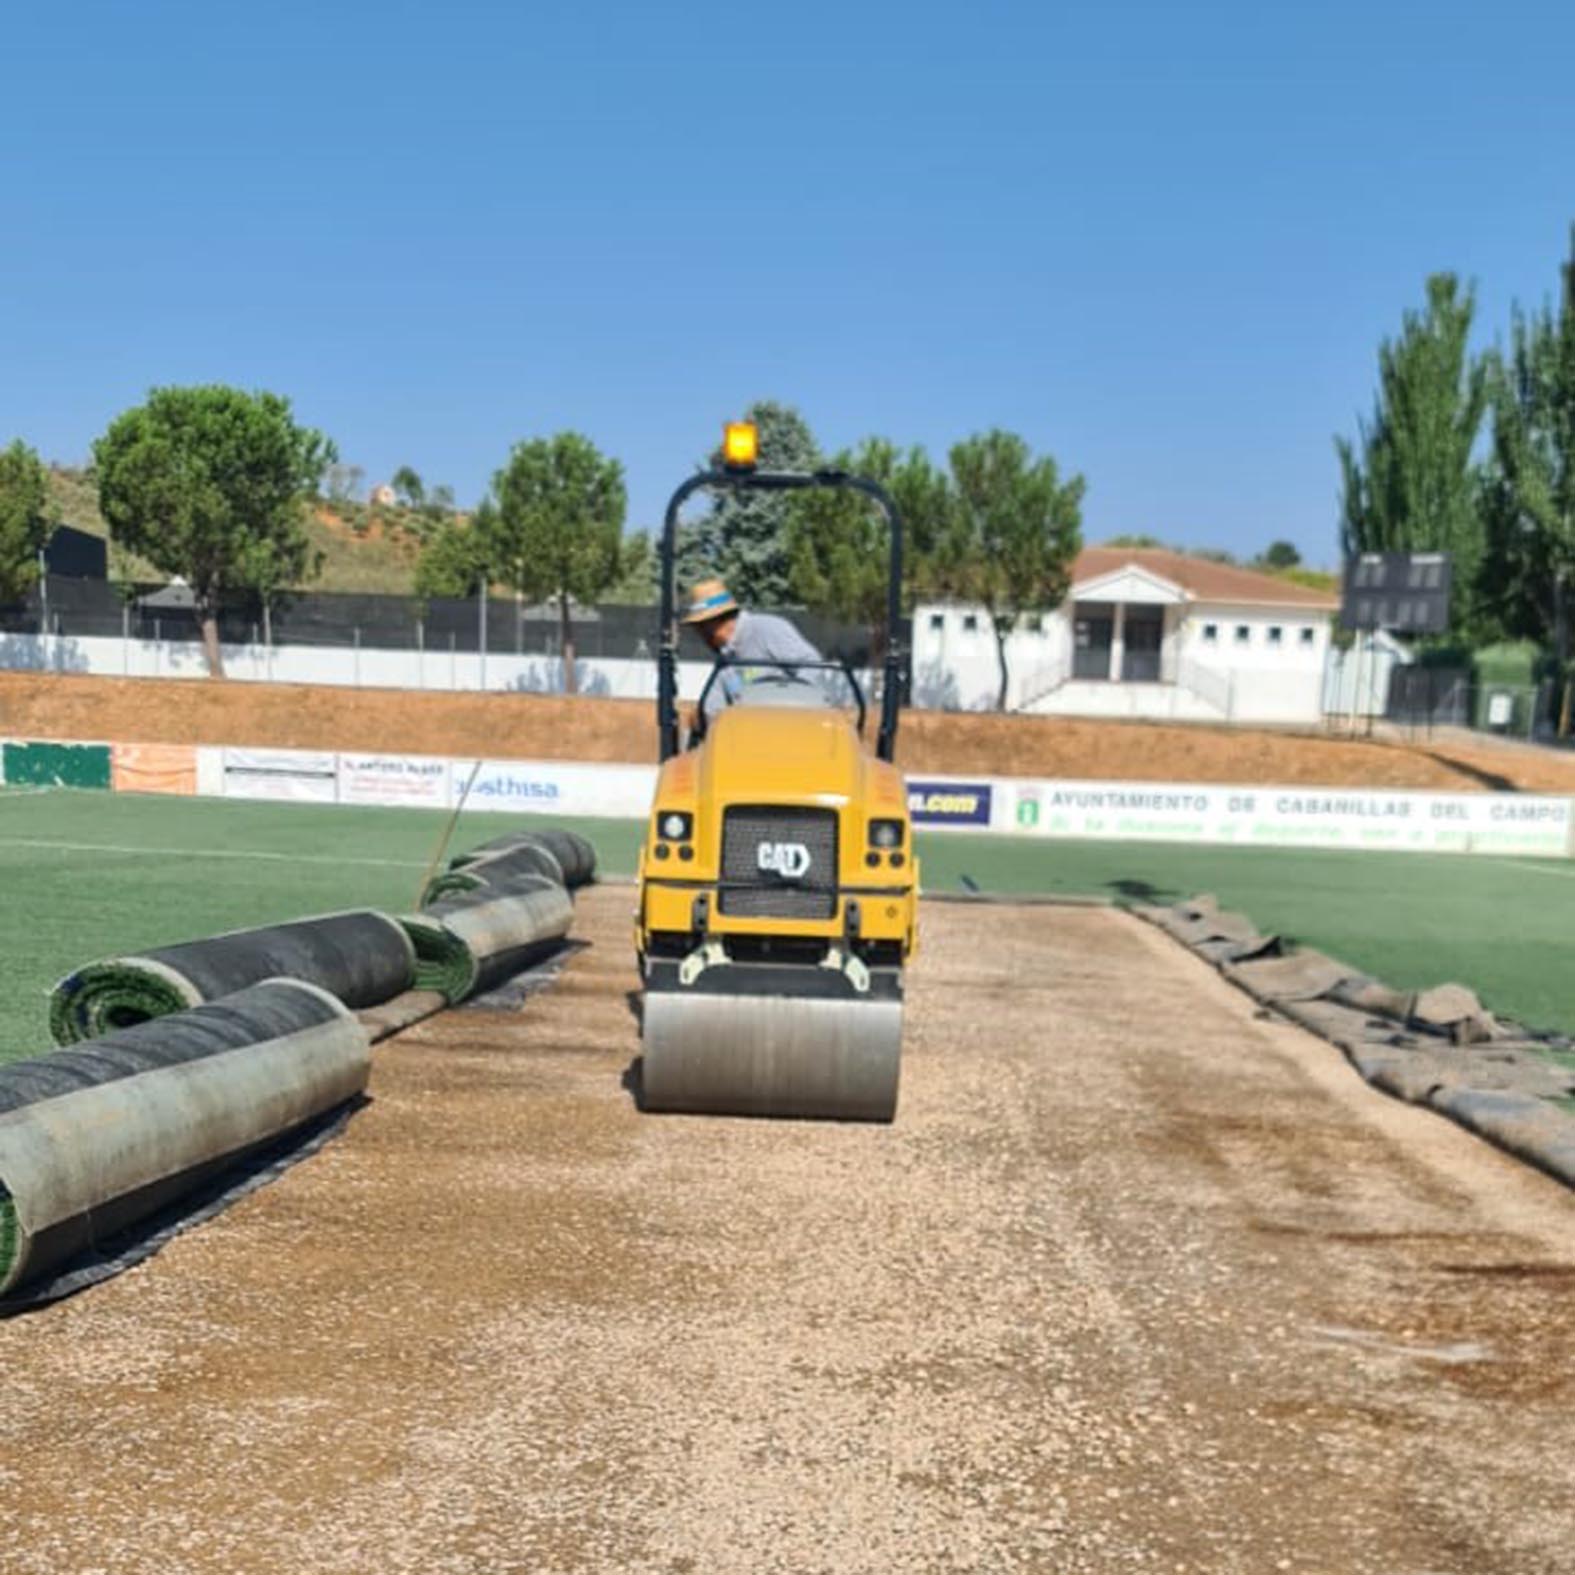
x,y
83,874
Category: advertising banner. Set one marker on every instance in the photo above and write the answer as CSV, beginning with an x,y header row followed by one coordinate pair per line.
x,y
945,803
556,787
394,779
154,768
297,775
1288,817
55,765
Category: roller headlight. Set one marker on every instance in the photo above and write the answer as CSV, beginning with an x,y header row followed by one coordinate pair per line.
x,y
675,825
886,833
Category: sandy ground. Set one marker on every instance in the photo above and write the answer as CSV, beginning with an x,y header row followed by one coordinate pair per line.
x,y
552,727
1135,1282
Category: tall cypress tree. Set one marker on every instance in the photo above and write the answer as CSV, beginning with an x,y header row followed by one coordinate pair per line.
x,y
1531,517
1410,482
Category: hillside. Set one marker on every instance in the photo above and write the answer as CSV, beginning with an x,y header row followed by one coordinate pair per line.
x,y
371,551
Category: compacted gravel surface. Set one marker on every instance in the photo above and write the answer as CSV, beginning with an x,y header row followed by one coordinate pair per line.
x,y
1135,1282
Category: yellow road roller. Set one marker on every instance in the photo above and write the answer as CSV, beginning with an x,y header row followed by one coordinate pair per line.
x,y
778,888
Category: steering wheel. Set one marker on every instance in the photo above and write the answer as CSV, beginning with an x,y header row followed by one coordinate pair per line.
x,y
786,673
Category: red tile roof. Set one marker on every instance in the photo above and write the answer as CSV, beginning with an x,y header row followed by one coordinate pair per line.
x,y
1202,579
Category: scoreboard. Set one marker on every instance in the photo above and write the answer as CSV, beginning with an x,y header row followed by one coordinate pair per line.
x,y
1404,592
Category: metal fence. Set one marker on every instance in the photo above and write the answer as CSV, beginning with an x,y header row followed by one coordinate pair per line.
x,y
87,608
1423,698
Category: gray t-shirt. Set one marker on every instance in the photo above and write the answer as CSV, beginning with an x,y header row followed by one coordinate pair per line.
x,y
759,637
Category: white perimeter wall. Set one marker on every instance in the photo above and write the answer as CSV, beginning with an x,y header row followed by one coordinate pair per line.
x,y
625,678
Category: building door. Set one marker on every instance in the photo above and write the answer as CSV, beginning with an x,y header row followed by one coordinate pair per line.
x,y
1092,629
1141,639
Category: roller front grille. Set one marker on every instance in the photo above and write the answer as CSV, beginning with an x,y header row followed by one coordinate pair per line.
x,y
779,862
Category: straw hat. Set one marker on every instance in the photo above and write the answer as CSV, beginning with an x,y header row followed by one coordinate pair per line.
x,y
709,599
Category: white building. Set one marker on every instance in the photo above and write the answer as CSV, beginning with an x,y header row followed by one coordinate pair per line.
x,y
1144,632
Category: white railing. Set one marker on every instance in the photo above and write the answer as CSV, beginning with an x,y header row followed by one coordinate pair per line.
x,y
1212,687
1043,681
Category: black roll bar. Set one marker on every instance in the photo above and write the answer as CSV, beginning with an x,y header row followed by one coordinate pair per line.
x,y
895,667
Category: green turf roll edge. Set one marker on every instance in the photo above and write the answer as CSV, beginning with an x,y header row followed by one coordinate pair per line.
x,y
443,961
114,994
10,1235
451,883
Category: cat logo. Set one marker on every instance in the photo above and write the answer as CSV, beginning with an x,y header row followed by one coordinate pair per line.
x,y
787,860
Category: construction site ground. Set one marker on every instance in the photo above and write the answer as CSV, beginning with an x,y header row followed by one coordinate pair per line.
x,y
555,727
1136,1281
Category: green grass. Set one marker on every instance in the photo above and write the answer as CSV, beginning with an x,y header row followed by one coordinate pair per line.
x,y
86,874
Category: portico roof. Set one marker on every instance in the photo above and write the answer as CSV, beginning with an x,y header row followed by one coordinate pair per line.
x,y
1157,575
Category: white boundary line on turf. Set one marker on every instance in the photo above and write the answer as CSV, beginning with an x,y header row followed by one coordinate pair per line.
x,y
1539,866
204,853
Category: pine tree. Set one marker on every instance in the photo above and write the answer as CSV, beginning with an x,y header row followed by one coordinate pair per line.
x,y
744,536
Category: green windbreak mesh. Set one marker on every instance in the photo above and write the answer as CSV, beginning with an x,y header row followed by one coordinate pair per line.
x,y
105,996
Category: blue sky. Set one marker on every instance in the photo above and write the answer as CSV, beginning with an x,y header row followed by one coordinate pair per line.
x,y
1162,242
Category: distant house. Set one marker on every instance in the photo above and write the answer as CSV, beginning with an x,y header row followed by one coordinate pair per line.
x,y
383,496
1144,632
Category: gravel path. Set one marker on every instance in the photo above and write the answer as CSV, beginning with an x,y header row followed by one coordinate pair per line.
x,y
1136,1282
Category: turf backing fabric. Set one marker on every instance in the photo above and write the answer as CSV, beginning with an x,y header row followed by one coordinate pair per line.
x,y
99,1135
569,857
360,957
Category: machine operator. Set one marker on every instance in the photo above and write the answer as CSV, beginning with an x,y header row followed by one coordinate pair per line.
x,y
744,637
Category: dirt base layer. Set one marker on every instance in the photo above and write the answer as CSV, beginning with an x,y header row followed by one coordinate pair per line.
x,y
1135,1282
555,727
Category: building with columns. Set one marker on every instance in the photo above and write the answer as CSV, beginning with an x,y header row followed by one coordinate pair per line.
x,y
1144,632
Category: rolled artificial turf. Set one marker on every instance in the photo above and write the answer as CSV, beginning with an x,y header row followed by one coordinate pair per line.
x,y
469,941
101,1135
360,957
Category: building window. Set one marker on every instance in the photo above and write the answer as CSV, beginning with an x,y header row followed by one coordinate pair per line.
x,y
1309,634
1036,624
1211,634
1243,633
1276,634
970,623
937,620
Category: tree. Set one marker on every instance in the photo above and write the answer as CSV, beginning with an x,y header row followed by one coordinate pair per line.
x,y
1530,495
636,583
211,483
837,544
408,487
744,537
344,482
1409,482
453,559
1134,539
25,523
1018,528
1280,555
556,530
